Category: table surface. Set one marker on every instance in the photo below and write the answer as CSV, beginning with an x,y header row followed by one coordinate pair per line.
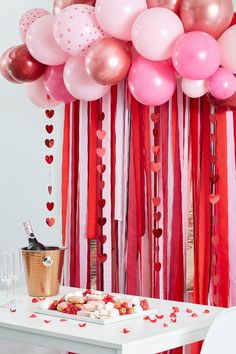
x,y
144,336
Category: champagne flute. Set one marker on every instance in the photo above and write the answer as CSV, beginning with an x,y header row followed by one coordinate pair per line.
x,y
15,258
6,273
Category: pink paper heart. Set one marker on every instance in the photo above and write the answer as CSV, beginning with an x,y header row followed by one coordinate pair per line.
x,y
101,134
101,168
156,201
155,149
214,198
50,221
100,152
155,166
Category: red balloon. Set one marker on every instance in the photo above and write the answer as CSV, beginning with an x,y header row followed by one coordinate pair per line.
x,y
22,66
59,5
3,66
172,5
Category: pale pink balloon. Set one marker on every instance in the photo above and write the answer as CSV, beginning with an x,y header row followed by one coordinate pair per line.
x,y
194,88
227,43
222,84
151,83
117,16
79,84
28,18
38,95
155,32
76,28
55,86
41,42
196,55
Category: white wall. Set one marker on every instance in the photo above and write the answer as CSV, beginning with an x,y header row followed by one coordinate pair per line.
x,y
24,175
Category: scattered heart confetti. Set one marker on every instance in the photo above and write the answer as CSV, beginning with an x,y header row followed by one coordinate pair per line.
x,y
146,318
101,134
155,166
50,206
175,309
63,320
102,258
157,266
214,198
173,319
215,240
102,221
49,159
194,314
102,239
101,116
101,184
47,321
216,299
156,201
49,143
206,311
34,300
102,203
49,113
125,330
13,309
100,152
101,168
173,315
214,219
33,315
165,325
50,190
157,232
49,129
153,320
82,325
155,150
189,310
159,317
50,221
157,216
155,117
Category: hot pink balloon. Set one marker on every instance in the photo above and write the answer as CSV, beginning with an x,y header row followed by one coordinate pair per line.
x,y
196,55
117,16
4,59
151,83
155,32
54,84
38,95
222,84
41,42
79,84
76,28
28,18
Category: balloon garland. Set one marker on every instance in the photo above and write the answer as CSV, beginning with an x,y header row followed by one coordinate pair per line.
x,y
86,46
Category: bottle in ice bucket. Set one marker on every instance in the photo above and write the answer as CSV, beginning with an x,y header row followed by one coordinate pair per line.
x,y
33,243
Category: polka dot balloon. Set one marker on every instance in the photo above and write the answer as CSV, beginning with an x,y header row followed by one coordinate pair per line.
x,y
28,18
76,28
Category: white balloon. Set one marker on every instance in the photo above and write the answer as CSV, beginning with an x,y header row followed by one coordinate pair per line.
x,y
194,88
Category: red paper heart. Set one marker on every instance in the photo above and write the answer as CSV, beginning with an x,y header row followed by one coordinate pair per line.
x,y
50,190
100,152
49,143
102,203
101,168
49,113
155,117
49,129
102,221
49,159
101,116
50,221
155,166
156,201
102,239
214,178
157,232
155,132
214,198
213,159
157,266
216,279
50,206
101,134
155,149
215,240
102,257
157,216
101,184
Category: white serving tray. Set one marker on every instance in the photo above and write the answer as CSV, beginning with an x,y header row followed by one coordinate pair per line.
x,y
95,320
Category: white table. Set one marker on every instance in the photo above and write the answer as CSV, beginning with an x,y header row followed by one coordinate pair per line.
x,y
144,336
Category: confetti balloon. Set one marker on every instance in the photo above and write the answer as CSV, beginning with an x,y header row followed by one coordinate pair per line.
x,y
76,28
59,5
28,18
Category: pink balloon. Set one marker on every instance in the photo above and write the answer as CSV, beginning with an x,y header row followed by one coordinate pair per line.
x,y
227,49
222,84
196,55
41,43
117,16
79,84
28,18
38,95
76,28
151,83
155,32
54,84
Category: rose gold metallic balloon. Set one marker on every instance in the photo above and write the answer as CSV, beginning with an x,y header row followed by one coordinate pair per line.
x,y
108,61
59,5
211,16
172,5
3,66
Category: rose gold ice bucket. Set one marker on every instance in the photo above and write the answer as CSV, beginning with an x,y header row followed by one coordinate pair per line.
x,y
43,270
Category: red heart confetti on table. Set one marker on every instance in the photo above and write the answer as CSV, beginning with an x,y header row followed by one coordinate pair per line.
x,y
194,314
146,318
50,206
49,113
215,240
33,315
125,330
155,117
49,129
49,159
155,132
189,310
156,201
101,134
206,311
13,309
49,143
155,150
153,320
157,266
214,198
157,232
214,178
102,239
50,190
63,320
173,314
173,319
102,221
216,279
34,300
101,184
82,325
175,309
155,166
50,221
159,317
102,203
102,258
47,321
165,325
157,216
100,152
101,168
101,116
